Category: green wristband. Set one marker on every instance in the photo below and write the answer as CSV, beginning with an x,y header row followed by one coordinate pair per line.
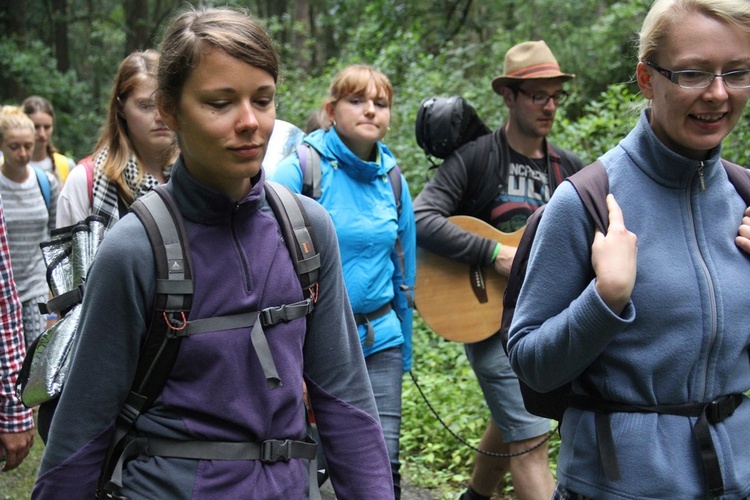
x,y
497,251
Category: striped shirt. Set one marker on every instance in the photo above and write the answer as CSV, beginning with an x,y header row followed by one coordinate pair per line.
x,y
14,417
28,224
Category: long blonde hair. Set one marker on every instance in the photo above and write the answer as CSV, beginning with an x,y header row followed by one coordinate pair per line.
x,y
134,70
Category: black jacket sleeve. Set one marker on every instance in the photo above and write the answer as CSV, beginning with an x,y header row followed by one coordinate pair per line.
x,y
457,188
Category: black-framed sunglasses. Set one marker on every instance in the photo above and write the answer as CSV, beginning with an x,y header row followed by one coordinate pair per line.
x,y
542,98
695,79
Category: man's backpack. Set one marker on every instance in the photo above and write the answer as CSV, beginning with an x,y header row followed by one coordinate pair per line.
x,y
445,123
592,185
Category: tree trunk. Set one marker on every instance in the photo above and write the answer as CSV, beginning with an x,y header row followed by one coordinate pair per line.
x,y
14,18
60,31
302,59
136,25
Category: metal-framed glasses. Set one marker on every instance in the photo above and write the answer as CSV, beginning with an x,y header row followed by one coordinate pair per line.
x,y
542,98
695,79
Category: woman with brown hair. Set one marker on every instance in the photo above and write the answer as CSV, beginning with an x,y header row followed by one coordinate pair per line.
x,y
134,153
217,86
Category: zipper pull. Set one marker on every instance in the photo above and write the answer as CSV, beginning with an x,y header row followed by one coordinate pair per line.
x,y
701,179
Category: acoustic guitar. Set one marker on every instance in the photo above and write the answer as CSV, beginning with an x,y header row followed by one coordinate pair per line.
x,y
457,301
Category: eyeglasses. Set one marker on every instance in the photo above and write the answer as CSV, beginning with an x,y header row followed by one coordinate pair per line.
x,y
542,98
694,79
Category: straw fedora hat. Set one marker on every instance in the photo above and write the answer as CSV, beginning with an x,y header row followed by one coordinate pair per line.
x,y
527,61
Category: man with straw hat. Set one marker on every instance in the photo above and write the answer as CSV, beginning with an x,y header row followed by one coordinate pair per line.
x,y
502,178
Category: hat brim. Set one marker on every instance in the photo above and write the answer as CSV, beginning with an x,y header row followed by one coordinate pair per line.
x,y
505,81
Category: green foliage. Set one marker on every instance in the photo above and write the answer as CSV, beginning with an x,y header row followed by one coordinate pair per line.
x,y
33,70
434,458
603,123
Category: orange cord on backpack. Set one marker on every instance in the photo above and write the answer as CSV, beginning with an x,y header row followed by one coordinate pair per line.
x,y
169,323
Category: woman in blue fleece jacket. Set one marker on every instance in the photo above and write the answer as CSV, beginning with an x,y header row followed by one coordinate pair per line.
x,y
356,191
216,89
656,345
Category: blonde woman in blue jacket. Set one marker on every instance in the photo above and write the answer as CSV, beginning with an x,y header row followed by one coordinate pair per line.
x,y
656,344
356,191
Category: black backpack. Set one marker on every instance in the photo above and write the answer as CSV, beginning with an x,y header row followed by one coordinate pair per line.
x,y
169,324
592,185
445,123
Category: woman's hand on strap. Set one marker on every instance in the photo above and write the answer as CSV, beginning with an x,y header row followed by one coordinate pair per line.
x,y
743,238
614,258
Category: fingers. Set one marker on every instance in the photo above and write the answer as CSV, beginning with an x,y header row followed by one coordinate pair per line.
x,y
614,259
743,238
615,213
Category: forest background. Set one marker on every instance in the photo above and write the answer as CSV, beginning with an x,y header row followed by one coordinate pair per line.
x,y
69,50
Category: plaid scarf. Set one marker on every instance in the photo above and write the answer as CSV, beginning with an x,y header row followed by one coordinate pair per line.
x,y
105,196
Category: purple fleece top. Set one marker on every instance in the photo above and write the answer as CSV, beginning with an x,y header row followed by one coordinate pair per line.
x,y
217,390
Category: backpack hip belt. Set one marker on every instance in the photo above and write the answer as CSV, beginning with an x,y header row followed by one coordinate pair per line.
x,y
269,451
708,414
365,319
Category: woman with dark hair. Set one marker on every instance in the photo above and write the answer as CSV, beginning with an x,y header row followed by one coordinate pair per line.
x,y
216,89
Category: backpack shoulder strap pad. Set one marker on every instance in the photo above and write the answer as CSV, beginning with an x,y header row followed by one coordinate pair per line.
x,y
174,289
394,177
174,293
309,162
44,186
592,185
293,222
740,177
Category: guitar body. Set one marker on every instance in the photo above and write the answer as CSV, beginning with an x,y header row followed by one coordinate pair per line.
x,y
457,301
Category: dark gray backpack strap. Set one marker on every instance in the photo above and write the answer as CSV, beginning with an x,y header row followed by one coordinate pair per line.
x,y
293,222
592,185
740,178
309,162
174,293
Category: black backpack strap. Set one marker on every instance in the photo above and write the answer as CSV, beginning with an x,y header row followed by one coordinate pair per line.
x,y
309,162
174,287
740,177
592,185
293,222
